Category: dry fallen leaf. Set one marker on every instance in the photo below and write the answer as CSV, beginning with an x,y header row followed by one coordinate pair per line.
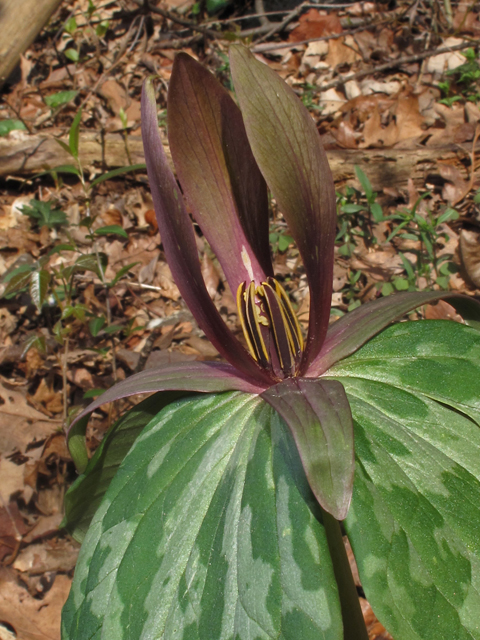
x,y
49,398
12,529
210,275
21,424
151,220
112,216
441,311
470,255
456,187
380,265
31,618
11,479
313,24
342,51
51,555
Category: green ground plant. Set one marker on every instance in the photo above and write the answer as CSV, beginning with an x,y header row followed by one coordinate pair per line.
x,y
464,83
358,211
52,284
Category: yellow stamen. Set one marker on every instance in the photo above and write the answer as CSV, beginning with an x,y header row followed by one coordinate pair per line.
x,y
269,305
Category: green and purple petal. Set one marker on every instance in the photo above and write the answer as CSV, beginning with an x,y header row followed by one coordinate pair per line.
x,y
180,248
203,377
319,417
287,148
218,173
354,329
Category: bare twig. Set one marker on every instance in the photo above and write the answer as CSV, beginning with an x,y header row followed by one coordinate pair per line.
x,y
251,16
280,26
184,23
177,43
472,158
265,48
448,12
64,380
260,9
392,64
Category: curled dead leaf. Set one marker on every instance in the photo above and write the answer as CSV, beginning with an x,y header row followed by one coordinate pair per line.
x,y
456,187
210,275
112,216
470,255
151,220
442,311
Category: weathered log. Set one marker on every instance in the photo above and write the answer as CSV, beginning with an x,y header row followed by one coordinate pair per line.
x,y
20,23
24,154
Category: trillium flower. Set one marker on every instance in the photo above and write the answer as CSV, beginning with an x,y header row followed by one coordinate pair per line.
x,y
226,159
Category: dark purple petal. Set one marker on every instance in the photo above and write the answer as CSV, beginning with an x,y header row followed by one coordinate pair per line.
x,y
319,417
178,240
349,333
217,171
287,148
204,377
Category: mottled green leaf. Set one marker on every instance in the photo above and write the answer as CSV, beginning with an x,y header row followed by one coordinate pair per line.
x,y
208,531
354,329
414,392
85,494
438,358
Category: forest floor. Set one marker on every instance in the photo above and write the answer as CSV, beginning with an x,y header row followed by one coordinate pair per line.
x,y
395,92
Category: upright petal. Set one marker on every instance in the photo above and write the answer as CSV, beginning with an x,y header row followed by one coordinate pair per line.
x,y
352,331
179,244
319,417
287,148
218,172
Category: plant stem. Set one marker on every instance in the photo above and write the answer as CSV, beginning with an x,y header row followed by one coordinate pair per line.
x,y
65,381
353,623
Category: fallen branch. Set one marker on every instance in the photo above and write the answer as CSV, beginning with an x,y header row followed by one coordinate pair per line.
x,y
26,155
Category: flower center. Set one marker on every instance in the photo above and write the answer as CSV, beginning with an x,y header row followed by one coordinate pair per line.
x,y
265,311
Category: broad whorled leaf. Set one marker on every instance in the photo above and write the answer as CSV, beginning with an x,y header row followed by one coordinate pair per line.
x,y
414,392
84,496
209,531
